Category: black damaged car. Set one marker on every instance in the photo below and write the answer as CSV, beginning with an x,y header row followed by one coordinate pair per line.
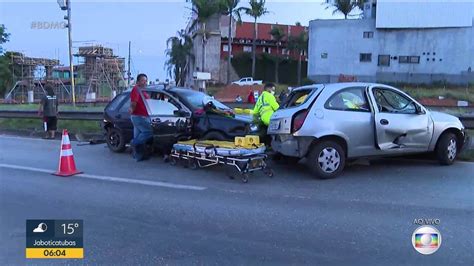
x,y
176,114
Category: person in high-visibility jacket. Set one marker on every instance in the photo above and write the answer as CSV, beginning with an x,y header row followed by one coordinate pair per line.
x,y
266,104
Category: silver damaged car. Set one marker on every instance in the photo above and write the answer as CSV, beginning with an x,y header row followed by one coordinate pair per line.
x,y
329,124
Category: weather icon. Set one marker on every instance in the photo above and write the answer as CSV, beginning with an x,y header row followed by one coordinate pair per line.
x,y
42,227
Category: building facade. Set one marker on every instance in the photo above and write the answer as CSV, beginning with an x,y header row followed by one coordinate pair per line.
x,y
217,49
389,45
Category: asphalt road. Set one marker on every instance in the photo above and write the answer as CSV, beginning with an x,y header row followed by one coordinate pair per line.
x,y
154,213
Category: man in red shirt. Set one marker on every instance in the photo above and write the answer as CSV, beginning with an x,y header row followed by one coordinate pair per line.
x,y
142,130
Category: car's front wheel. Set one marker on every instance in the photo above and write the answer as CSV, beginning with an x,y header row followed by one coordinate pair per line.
x,y
447,149
326,159
115,140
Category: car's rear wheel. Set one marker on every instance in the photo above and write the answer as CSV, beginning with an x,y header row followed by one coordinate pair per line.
x,y
115,140
214,135
447,149
326,159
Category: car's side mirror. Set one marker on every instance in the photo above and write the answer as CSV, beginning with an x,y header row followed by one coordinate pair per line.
x,y
181,113
419,110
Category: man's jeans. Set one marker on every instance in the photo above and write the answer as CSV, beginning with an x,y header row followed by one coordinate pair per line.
x,y
142,130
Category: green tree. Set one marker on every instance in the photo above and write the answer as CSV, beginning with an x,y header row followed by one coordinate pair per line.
x,y
345,6
278,36
300,45
229,8
204,9
3,35
256,10
179,50
5,73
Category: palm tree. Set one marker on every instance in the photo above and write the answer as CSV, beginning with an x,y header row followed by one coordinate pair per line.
x,y
300,45
344,6
204,9
229,8
179,50
278,35
256,10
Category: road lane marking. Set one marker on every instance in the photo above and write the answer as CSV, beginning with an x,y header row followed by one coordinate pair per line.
x,y
110,178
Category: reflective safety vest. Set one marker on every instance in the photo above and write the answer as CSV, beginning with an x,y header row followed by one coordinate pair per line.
x,y
265,107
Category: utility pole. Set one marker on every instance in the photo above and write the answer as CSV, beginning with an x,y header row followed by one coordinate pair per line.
x,y
128,71
66,5
71,64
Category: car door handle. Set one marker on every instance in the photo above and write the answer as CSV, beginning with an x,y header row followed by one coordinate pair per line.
x,y
384,122
156,120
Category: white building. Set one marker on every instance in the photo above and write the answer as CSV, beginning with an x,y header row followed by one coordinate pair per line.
x,y
396,41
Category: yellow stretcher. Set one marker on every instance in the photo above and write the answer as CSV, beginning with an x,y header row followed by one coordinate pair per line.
x,y
241,111
200,154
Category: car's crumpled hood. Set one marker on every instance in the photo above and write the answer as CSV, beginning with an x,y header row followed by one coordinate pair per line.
x,y
244,118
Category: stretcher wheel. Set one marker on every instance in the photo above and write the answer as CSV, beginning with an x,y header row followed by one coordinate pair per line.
x,y
173,161
245,177
192,164
268,172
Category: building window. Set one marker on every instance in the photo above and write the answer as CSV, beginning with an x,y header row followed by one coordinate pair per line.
x,y
409,59
403,59
415,59
267,50
368,34
248,49
285,51
384,60
324,55
225,48
365,58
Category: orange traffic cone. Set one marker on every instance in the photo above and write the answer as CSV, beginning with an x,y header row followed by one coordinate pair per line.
x,y
67,166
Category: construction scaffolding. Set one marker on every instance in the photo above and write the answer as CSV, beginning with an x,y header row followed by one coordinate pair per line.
x,y
102,72
29,74
99,76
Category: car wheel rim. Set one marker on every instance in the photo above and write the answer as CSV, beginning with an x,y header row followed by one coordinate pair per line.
x,y
452,149
114,139
329,160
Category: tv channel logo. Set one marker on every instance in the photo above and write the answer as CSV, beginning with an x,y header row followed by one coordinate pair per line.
x,y
426,239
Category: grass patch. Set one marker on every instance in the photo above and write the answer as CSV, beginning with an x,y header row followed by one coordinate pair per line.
x,y
62,107
457,93
36,125
462,94
212,90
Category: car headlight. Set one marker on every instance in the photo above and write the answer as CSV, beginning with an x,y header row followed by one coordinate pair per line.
x,y
253,127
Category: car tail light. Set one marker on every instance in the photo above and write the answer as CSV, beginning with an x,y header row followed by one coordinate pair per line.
x,y
298,120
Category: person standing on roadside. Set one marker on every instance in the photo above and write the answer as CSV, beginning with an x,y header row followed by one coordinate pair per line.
x,y
142,130
48,109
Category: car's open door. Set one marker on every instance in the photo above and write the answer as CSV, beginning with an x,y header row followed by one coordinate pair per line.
x,y
400,122
170,119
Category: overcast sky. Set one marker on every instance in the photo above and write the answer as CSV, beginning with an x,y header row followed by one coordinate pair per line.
x,y
113,23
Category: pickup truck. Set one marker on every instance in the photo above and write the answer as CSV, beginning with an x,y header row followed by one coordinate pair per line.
x,y
247,81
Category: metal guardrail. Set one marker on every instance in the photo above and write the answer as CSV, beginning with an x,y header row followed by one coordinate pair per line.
x,y
468,121
65,115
